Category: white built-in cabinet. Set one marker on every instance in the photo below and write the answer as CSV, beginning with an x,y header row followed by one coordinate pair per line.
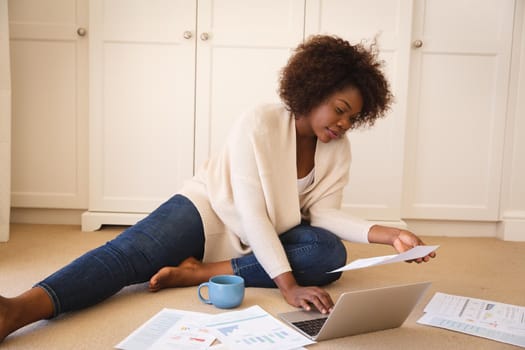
x,y
448,63
238,58
457,109
167,80
49,78
241,46
168,77
142,72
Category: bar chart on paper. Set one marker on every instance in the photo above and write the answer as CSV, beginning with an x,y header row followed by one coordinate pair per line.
x,y
273,336
256,329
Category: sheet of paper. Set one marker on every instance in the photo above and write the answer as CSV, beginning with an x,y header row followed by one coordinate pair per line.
x,y
254,328
414,253
170,329
185,334
221,346
483,318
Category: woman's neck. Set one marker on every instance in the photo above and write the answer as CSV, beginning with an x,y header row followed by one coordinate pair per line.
x,y
305,154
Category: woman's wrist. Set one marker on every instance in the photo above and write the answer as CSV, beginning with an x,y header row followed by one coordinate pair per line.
x,y
285,281
383,234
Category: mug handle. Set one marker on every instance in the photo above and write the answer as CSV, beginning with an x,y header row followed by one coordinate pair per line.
x,y
204,300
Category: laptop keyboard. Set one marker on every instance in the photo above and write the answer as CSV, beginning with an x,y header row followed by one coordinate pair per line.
x,y
311,327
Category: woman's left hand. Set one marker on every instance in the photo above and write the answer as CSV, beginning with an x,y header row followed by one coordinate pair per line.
x,y
401,240
406,240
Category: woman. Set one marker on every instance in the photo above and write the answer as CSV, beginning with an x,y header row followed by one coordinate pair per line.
x,y
267,207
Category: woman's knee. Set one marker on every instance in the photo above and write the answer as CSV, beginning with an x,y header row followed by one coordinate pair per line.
x,y
334,253
330,250
322,255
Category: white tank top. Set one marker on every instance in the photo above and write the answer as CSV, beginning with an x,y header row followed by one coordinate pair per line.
x,y
303,183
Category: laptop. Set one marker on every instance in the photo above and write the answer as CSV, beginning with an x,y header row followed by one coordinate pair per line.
x,y
359,312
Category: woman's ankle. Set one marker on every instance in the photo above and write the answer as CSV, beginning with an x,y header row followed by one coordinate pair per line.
x,y
7,317
29,307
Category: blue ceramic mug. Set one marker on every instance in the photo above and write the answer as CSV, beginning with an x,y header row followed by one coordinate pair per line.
x,y
224,291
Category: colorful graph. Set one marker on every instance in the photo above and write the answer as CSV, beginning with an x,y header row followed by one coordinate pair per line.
x,y
269,338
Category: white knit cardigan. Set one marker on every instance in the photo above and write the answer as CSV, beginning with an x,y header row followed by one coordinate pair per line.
x,y
247,194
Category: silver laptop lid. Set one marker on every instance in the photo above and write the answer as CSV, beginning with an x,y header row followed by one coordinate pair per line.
x,y
365,311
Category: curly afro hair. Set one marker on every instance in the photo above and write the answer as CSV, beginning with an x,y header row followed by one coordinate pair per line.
x,y
324,65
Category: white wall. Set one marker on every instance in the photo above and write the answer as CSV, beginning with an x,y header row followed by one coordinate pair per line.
x,y
5,124
512,206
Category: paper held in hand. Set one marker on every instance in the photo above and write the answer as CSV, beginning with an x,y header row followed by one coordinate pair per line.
x,y
414,253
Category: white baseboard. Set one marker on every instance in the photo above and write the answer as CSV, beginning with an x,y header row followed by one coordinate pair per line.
x,y
92,220
4,232
507,229
453,228
46,216
512,227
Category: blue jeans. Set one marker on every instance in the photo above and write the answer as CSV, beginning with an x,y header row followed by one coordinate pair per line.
x,y
311,251
168,236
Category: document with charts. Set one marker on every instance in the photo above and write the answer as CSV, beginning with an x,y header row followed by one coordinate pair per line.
x,y
170,329
482,318
253,328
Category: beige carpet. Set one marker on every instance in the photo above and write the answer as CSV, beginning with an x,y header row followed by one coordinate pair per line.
x,y
483,268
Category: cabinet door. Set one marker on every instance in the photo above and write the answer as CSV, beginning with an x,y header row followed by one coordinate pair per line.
x,y
375,187
459,81
141,102
49,103
241,46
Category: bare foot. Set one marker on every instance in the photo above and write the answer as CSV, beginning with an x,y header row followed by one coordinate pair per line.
x,y
191,272
183,275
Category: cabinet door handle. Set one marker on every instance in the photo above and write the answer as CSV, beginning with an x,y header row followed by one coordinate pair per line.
x,y
417,43
187,34
81,31
205,36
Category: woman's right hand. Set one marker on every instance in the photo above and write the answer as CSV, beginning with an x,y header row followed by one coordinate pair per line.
x,y
303,297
